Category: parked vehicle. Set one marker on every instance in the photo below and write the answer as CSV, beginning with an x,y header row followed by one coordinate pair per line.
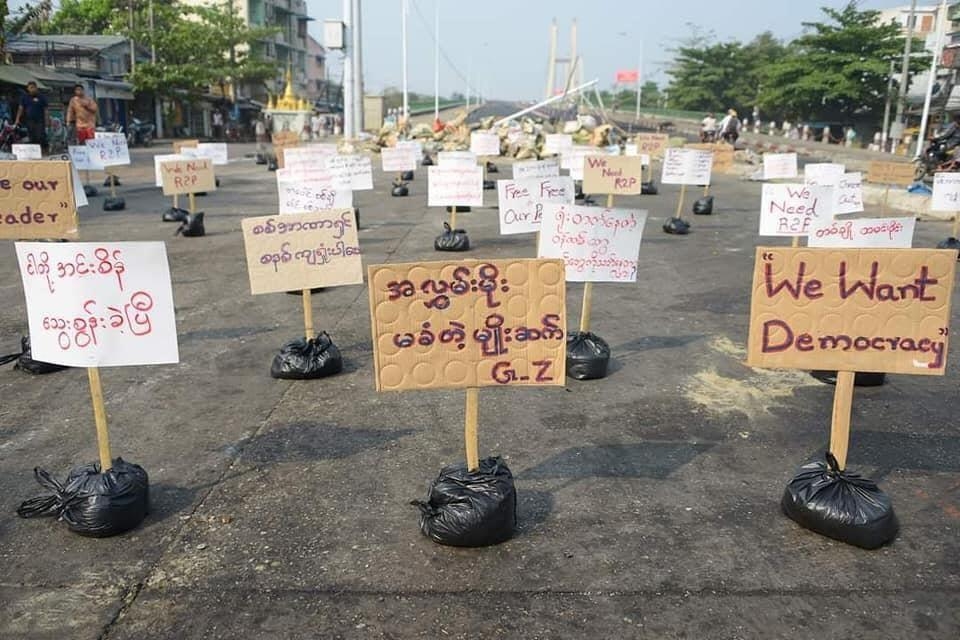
x,y
11,135
936,157
140,133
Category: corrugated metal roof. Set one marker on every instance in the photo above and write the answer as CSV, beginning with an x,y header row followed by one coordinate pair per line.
x,y
30,42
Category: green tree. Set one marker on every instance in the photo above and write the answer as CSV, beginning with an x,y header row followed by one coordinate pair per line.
x,y
86,17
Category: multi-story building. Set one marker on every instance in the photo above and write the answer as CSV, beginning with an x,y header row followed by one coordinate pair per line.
x,y
924,21
287,47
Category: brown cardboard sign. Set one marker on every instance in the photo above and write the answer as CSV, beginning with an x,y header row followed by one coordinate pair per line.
x,y
898,173
37,200
180,144
302,251
616,175
651,144
468,323
879,310
187,176
722,154
283,140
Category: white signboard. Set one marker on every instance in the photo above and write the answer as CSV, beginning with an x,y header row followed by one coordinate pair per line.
x,y
79,195
790,209
865,233
596,244
308,156
484,143
303,197
946,192
216,151
357,169
455,186
779,165
521,201
415,145
633,149
572,159
848,194
536,168
455,159
686,166
317,175
108,149
80,157
398,159
158,160
99,304
826,174
557,143
26,151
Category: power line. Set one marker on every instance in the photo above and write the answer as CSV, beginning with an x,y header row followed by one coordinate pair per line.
x,y
443,54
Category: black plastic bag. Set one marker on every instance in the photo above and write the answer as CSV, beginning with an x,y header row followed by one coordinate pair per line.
x,y
113,178
426,161
460,209
950,243
260,158
272,163
489,184
407,176
676,226
89,190
25,362
648,188
860,378
306,360
588,356
703,206
840,505
114,203
93,503
192,226
399,190
492,168
451,240
470,508
175,214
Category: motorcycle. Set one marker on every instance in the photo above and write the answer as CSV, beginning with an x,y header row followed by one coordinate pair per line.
x,y
140,132
936,157
708,135
11,135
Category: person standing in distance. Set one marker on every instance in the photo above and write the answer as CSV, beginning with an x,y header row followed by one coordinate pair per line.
x,y
32,112
82,114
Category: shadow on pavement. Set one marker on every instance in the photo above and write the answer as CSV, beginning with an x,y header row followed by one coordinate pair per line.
x,y
885,452
655,460
311,441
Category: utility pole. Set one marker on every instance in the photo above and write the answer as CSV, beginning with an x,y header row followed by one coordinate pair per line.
x,y
133,47
348,95
157,102
436,63
552,60
925,119
357,33
886,110
403,59
896,132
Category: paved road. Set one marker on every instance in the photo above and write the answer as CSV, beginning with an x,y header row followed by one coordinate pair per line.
x,y
648,500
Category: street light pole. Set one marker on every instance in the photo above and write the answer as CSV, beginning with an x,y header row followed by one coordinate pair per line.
x,y
348,95
436,63
403,58
357,31
897,132
924,120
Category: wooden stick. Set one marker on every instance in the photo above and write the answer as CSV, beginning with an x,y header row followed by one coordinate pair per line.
x,y
706,190
840,424
100,417
956,224
470,429
795,242
113,186
193,203
308,315
683,192
176,201
453,217
585,310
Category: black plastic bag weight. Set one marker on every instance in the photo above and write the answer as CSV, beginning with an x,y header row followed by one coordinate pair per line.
x,y
676,226
588,356
192,226
302,359
451,239
25,361
703,206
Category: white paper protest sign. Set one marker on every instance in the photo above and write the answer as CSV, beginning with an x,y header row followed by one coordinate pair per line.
x,y
79,195
823,173
108,149
99,304
216,151
415,145
398,159
357,169
557,143
308,156
946,192
536,168
596,244
26,151
80,157
484,143
455,186
158,160
789,209
306,197
572,159
864,233
848,194
779,165
686,166
457,159
521,201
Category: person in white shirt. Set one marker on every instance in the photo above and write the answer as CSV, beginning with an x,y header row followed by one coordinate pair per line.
x,y
708,128
730,127
315,124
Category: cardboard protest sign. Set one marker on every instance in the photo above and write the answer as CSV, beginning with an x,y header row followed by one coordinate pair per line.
x,y
848,194
888,233
557,143
891,173
572,159
397,160
778,166
96,304
468,323
179,145
282,141
158,160
301,197
686,166
455,186
619,175
455,159
357,169
37,199
789,209
308,156
946,192
484,143
873,310
26,151
216,151
651,144
596,244
80,157
521,201
192,175
823,173
302,251
108,149
536,169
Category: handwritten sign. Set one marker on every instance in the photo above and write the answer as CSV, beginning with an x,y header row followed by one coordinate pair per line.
x,y
302,251
946,192
880,310
521,201
283,141
80,157
651,144
187,176
96,304
398,159
789,209
79,195
779,165
455,186
484,143
557,143
572,159
37,200
315,176
158,160
108,149
180,145
357,169
848,194
619,175
826,174
412,145
216,151
468,323
525,169
302,197
890,173
686,166
26,151
309,156
888,233
596,244
457,159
